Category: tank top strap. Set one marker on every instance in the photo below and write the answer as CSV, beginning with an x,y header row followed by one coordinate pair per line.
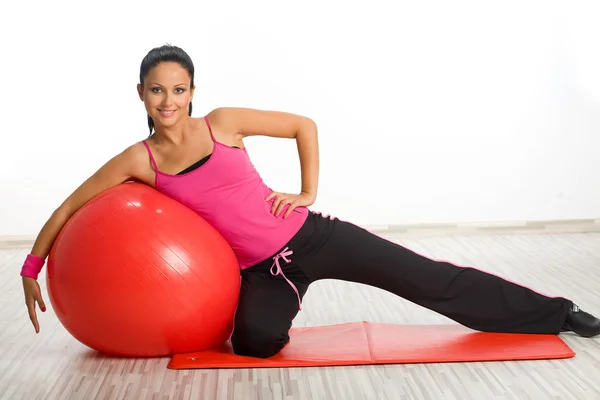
x,y
151,156
210,129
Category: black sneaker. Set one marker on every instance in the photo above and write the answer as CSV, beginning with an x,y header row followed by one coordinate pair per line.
x,y
582,323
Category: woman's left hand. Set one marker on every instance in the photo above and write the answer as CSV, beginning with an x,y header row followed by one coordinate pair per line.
x,y
294,200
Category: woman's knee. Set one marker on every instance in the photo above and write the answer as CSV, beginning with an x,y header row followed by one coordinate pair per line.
x,y
256,340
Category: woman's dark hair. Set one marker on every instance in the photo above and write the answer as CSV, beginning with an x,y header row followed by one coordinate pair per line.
x,y
166,53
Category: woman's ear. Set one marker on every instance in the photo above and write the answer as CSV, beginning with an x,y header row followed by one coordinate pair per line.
x,y
140,90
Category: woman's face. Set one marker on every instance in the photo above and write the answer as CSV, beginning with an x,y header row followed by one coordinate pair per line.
x,y
166,93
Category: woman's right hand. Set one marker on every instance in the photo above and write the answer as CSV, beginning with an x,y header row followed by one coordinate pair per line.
x,y
33,295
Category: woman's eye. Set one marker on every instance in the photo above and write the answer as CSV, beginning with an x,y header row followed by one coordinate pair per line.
x,y
177,90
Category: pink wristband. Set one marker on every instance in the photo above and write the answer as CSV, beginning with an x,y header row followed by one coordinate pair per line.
x,y
32,266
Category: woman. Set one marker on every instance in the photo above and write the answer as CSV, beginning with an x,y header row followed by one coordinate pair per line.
x,y
281,245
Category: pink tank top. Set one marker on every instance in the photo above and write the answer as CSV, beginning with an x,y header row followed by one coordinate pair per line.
x,y
229,194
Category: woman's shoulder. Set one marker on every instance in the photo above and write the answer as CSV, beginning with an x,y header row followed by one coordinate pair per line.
x,y
137,151
220,117
137,159
229,118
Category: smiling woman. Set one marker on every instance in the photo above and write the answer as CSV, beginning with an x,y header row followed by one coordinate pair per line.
x,y
282,246
166,85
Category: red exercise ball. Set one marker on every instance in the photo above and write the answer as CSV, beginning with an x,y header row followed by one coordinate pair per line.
x,y
135,273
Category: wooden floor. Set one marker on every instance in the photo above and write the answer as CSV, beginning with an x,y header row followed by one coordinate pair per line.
x,y
52,365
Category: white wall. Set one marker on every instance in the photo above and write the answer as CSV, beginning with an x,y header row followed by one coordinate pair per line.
x,y
428,111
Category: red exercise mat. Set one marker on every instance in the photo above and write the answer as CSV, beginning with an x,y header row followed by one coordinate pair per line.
x,y
365,343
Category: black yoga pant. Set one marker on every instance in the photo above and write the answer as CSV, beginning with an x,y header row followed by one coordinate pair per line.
x,y
326,248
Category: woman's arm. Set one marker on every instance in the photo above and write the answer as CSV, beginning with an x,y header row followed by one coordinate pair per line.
x,y
126,165
117,170
244,122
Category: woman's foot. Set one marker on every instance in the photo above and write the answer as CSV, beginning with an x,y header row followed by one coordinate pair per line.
x,y
582,323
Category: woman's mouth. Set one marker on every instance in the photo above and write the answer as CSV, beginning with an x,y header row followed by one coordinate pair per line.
x,y
167,113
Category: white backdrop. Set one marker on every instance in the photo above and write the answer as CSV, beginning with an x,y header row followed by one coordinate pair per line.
x,y
429,111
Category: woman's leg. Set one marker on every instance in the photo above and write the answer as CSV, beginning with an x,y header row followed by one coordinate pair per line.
x,y
266,308
471,297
